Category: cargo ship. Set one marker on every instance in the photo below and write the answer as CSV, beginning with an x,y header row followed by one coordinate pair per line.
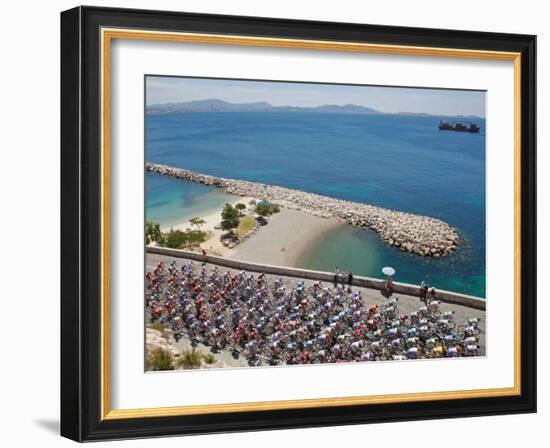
x,y
458,126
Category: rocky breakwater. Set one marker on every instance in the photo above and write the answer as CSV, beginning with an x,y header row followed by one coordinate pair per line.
x,y
408,232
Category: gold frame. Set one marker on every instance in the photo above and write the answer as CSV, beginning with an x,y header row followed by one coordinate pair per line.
x,y
107,35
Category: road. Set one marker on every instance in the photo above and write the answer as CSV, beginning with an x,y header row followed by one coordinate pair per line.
x,y
406,304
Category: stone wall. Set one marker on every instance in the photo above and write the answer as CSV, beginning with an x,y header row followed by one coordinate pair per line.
x,y
366,282
408,232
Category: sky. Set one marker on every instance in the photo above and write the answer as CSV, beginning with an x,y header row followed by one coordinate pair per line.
x,y
384,99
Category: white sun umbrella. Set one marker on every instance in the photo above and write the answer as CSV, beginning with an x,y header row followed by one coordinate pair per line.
x,y
388,270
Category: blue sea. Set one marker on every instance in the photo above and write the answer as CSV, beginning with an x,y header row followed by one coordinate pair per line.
x,y
395,161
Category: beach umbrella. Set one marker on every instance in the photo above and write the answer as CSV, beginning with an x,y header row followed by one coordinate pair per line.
x,y
388,270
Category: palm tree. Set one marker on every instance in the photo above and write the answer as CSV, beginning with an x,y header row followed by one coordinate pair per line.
x,y
197,222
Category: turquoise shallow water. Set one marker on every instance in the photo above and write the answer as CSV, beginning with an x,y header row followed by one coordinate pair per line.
x,y
363,252
171,201
394,161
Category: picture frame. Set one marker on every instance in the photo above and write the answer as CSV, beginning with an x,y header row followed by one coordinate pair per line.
x,y
86,238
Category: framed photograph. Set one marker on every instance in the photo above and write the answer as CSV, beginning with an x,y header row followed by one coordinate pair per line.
x,y
276,224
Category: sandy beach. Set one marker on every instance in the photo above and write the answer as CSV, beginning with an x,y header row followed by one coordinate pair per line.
x,y
409,232
282,240
212,219
213,245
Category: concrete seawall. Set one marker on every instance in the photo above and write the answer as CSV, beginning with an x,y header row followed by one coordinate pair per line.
x,y
407,232
367,282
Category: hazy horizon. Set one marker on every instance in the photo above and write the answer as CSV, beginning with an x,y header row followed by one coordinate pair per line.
x,y
164,90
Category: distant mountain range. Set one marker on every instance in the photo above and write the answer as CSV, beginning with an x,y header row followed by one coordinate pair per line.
x,y
216,105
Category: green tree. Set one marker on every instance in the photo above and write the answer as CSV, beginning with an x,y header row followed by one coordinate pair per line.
x,y
230,217
175,239
195,237
197,222
240,206
153,233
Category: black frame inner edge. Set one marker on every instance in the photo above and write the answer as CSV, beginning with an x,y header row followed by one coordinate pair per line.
x,y
80,223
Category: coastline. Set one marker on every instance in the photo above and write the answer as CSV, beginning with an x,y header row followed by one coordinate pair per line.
x,y
288,235
418,234
212,219
313,244
338,242
213,244
281,242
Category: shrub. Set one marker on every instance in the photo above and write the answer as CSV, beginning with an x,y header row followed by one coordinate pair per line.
x,y
157,326
161,360
176,239
209,358
195,237
240,206
153,233
161,328
262,209
190,359
230,217
267,209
